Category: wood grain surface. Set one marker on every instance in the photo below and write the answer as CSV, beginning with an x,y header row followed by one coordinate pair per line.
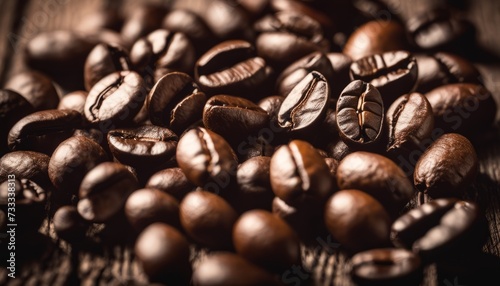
x,y
48,261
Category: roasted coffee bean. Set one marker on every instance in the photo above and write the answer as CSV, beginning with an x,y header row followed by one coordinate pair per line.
x,y
228,20
375,37
43,131
208,219
27,165
67,166
147,206
231,67
115,99
410,122
375,10
431,73
171,181
392,73
206,158
142,21
333,165
254,185
255,8
337,149
13,107
36,88
357,220
163,253
378,176
462,108
287,36
386,266
74,101
69,225
267,241
175,101
104,190
458,68
447,167
307,8
271,105
360,115
225,268
306,104
438,229
298,173
341,64
103,60
234,118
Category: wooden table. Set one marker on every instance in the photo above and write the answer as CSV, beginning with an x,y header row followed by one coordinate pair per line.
x,y
52,262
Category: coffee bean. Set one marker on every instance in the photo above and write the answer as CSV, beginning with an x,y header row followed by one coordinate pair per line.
x,y
267,241
447,167
69,225
43,131
103,60
36,88
206,158
305,106
228,20
208,219
147,206
392,73
27,165
104,190
378,176
386,266
254,185
357,220
142,21
74,101
255,9
341,64
337,149
360,115
13,107
171,181
225,268
308,8
115,99
462,108
163,253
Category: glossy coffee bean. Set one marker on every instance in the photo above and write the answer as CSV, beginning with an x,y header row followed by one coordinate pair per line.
x,y
226,268
231,67
254,185
69,225
103,60
410,121
43,131
272,104
147,206
171,181
386,266
115,99
104,190
357,220
360,115
462,108
67,166
73,101
440,228
298,173
447,167
13,107
206,159
267,241
234,118
308,8
306,104
392,73
378,176
459,69
175,101
27,165
163,253
36,88
228,20
341,64
142,21
376,37
208,219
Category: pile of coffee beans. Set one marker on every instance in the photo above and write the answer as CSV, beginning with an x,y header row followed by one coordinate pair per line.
x,y
249,130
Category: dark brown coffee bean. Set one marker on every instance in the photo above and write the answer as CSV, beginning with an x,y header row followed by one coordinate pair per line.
x,y
206,158
341,64
228,20
104,190
208,219
410,121
147,206
115,99
175,101
298,173
103,60
392,73
377,176
43,131
360,115
27,165
267,241
142,21
307,8
357,220
254,185
462,108
69,225
305,106
171,181
13,107
337,149
36,88
447,167
74,101
226,268
163,253
386,266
